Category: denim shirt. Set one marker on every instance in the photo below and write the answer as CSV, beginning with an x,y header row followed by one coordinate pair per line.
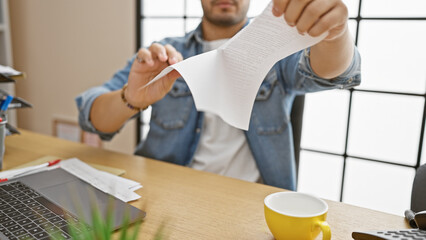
x,y
175,124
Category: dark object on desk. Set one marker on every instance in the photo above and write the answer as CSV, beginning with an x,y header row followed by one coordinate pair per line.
x,y
49,196
416,220
420,219
11,130
418,193
408,234
409,216
4,78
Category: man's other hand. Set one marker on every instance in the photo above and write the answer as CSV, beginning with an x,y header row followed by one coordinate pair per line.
x,y
148,64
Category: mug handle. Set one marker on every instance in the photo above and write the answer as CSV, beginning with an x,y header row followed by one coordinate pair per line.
x,y
325,228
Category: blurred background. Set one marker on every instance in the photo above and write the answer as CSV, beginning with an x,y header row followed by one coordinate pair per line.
x,y
359,146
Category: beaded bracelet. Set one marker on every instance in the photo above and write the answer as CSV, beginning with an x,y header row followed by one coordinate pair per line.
x,y
127,103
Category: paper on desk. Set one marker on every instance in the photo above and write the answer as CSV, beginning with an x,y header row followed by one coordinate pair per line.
x,y
119,187
25,171
225,81
8,71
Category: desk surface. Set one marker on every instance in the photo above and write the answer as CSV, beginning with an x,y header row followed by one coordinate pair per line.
x,y
194,204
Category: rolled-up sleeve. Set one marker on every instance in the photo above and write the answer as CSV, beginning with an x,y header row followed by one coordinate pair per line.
x,y
85,100
301,78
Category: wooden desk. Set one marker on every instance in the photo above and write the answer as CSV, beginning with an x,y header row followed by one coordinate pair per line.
x,y
194,204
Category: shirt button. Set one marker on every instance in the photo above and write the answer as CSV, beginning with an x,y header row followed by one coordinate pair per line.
x,y
350,80
198,130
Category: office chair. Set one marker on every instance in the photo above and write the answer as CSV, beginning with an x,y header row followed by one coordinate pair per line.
x,y
418,193
296,117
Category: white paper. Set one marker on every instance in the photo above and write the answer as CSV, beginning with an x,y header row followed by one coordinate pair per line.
x,y
8,71
117,186
10,174
225,81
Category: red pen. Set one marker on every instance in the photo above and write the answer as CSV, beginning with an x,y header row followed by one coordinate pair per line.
x,y
31,170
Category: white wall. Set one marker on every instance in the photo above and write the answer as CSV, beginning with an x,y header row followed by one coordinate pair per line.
x,y
66,47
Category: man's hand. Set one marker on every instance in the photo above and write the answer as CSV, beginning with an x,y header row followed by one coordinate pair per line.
x,y
149,63
314,17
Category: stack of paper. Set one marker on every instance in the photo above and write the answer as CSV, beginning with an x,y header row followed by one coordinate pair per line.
x,y
119,187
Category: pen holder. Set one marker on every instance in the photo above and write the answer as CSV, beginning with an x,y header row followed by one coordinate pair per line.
x,y
2,136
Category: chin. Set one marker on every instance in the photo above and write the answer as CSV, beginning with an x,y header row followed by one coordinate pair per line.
x,y
225,20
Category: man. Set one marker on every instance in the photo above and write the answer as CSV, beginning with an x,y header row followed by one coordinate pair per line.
x,y
179,134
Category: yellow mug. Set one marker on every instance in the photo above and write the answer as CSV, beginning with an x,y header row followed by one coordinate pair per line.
x,y
296,216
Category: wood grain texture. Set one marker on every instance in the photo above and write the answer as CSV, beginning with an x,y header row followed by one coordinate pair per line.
x,y
193,204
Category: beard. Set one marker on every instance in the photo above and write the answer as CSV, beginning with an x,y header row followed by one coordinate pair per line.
x,y
224,19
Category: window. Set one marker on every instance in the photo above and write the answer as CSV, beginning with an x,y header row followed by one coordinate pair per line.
x,y
383,119
360,146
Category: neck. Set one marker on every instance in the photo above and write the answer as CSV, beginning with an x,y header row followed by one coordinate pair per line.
x,y
213,32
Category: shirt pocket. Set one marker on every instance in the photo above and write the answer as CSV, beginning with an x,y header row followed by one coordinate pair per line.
x,y
172,112
269,115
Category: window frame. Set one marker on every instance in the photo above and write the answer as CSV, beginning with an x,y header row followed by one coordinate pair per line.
x,y
139,39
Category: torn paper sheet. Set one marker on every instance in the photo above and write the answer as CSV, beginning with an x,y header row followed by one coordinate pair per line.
x,y
225,81
119,187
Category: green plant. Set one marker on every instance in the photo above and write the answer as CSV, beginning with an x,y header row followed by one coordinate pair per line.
x,y
102,227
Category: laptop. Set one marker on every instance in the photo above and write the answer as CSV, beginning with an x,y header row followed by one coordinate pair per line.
x,y
41,204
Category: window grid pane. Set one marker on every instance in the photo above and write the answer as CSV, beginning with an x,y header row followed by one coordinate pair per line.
x,y
385,127
352,6
193,8
256,7
320,175
394,56
156,7
393,8
169,28
191,24
325,121
379,186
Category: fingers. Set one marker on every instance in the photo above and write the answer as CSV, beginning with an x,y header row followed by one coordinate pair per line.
x,y
158,51
279,7
310,15
294,10
166,53
313,16
330,22
144,55
173,55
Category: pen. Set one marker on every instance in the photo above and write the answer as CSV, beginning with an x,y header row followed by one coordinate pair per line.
x,y
5,103
33,169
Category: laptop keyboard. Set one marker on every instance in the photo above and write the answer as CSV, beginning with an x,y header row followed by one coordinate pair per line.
x,y
25,214
406,234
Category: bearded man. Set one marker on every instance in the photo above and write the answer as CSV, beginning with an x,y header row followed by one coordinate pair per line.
x,y
201,140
